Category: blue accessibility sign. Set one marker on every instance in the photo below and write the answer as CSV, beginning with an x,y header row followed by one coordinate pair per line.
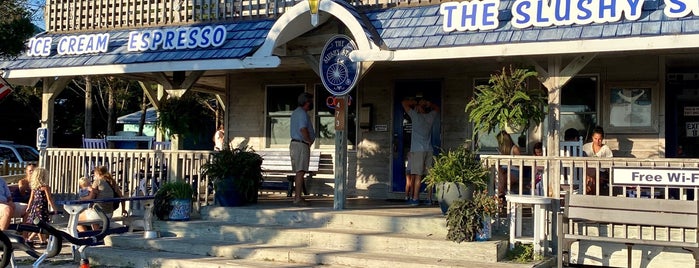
x,y
42,140
338,73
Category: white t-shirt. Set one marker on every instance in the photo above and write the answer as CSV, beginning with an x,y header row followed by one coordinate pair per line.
x,y
603,152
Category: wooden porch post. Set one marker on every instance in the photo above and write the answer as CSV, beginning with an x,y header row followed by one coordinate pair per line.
x,y
52,87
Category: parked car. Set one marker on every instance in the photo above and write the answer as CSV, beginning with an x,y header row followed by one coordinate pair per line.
x,y
17,153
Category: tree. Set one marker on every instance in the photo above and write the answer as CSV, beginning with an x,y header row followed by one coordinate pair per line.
x,y
15,27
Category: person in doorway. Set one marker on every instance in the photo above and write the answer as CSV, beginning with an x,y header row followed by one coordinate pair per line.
x,y
218,138
423,113
596,148
302,137
40,202
506,147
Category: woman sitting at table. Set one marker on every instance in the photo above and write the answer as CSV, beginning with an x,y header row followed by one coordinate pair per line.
x,y
103,187
597,149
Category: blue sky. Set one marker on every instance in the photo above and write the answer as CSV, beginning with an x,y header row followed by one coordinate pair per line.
x,y
38,18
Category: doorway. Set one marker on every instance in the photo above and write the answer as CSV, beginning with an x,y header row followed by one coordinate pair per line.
x,y
402,126
682,109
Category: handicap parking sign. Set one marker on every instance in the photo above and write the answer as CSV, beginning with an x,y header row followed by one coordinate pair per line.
x,y
41,138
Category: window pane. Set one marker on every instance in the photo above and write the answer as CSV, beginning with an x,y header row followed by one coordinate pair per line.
x,y
579,105
579,95
281,101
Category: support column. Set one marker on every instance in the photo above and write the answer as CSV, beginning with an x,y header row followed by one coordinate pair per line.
x,y
52,87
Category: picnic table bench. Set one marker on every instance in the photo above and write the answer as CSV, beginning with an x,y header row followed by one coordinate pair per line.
x,y
639,221
277,171
140,212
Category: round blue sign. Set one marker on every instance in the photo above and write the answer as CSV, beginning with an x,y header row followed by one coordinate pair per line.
x,y
337,71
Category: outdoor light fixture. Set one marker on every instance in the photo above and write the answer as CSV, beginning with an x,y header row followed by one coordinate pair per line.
x,y
313,6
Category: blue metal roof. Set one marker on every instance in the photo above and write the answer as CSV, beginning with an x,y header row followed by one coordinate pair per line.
x,y
242,39
421,27
135,117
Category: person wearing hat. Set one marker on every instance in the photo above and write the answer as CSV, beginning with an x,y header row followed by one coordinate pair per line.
x,y
302,137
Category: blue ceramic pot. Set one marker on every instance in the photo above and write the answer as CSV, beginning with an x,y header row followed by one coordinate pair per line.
x,y
181,209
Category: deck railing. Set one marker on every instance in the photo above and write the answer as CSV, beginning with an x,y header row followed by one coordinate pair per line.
x,y
138,172
70,15
569,173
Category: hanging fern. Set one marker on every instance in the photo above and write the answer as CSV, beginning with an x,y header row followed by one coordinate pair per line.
x,y
185,116
507,99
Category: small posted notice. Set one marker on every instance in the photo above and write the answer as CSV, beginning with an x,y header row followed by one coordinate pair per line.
x,y
692,129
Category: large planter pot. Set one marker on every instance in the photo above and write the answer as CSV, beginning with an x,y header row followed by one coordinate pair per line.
x,y
448,192
227,196
181,209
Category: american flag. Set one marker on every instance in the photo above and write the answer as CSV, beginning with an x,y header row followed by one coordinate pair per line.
x,y
5,88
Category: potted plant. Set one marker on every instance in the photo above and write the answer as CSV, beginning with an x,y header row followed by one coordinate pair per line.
x,y
237,176
456,174
470,220
508,102
173,201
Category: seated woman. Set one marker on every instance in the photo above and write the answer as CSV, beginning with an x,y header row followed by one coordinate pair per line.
x,y
597,149
103,186
506,147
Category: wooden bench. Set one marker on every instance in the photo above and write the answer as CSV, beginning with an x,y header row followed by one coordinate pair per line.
x,y
630,221
278,175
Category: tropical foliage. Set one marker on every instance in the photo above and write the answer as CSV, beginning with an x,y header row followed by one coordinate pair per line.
x,y
508,99
169,191
238,168
465,217
185,116
457,165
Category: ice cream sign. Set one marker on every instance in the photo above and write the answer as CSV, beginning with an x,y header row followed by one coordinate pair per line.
x,y
483,15
141,40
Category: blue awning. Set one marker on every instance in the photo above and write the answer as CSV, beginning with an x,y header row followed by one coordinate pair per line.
x,y
241,39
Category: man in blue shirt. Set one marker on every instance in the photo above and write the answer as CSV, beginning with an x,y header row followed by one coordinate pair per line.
x,y
302,136
7,208
423,114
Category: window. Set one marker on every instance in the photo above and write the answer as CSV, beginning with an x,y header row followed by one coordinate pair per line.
x,y
579,105
325,119
281,102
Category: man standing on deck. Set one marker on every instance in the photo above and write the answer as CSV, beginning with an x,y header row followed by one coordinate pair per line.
x,y
302,136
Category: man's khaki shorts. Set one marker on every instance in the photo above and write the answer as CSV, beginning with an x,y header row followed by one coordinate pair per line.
x,y
300,156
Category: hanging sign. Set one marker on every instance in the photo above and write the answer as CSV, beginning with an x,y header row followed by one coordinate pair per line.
x,y
338,73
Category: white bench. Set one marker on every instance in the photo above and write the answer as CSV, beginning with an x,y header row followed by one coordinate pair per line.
x,y
277,171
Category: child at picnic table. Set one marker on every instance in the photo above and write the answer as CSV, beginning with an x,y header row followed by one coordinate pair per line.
x,y
85,188
40,202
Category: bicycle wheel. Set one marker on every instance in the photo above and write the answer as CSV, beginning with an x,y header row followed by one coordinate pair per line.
x,y
6,249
